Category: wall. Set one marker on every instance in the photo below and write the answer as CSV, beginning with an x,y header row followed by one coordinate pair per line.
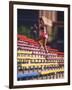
x,y
4,45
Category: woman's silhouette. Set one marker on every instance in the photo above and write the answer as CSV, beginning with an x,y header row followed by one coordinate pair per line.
x,y
43,34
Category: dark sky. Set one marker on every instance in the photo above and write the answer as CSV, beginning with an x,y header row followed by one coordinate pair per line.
x,y
29,17
26,17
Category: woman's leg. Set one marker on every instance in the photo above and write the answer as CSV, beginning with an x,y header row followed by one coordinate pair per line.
x,y
45,42
41,43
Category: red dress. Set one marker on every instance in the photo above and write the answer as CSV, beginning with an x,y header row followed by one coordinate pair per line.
x,y
43,35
